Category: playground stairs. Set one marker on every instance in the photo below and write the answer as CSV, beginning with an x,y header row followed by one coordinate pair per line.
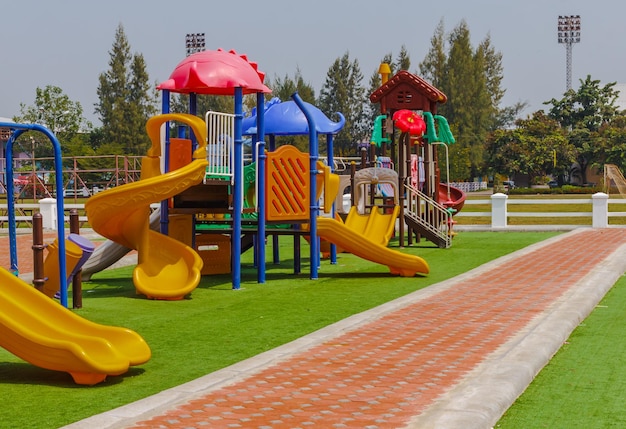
x,y
427,218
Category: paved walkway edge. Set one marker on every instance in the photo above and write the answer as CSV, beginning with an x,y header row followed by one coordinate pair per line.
x,y
492,387
477,402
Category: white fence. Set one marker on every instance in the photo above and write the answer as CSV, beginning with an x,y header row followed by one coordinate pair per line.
x,y
500,214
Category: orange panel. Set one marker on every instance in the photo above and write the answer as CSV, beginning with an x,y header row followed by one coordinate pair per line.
x,y
180,153
288,185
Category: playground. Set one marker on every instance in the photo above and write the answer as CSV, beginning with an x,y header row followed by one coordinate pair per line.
x,y
234,233
212,209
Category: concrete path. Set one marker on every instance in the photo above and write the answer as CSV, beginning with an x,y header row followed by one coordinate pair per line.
x,y
453,355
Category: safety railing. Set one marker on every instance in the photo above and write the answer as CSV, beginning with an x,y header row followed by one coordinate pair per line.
x,y
428,214
220,145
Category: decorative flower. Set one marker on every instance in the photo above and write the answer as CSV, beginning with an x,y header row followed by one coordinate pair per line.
x,y
409,122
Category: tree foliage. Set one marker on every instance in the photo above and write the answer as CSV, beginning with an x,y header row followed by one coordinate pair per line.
x,y
343,92
583,113
530,148
126,99
283,88
57,112
471,78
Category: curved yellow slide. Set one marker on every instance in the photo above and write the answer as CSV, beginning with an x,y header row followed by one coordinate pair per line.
x,y
358,244
39,330
166,268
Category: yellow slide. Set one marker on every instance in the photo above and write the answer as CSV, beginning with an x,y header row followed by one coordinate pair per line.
x,y
371,249
39,330
166,268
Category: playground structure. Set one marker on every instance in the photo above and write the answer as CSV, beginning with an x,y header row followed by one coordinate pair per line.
x,y
211,205
426,204
43,332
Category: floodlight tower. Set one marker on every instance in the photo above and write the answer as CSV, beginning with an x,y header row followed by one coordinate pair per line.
x,y
194,43
569,33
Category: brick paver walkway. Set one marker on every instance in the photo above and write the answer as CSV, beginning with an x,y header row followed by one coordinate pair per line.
x,y
387,371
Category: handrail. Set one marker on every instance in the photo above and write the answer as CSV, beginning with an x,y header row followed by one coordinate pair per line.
x,y
428,213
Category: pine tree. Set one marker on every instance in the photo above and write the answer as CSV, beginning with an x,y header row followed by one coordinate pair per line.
x,y
125,99
472,81
343,92
433,68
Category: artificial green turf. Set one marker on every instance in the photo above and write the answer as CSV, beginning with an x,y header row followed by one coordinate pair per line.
x,y
584,385
217,326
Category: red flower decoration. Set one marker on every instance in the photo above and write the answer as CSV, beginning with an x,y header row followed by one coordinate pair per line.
x,y
409,122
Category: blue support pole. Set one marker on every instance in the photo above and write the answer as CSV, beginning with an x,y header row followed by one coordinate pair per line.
x,y
314,210
331,163
165,108
58,167
260,126
237,191
193,110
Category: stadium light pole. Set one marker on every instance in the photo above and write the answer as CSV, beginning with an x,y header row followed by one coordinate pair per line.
x,y
194,42
569,33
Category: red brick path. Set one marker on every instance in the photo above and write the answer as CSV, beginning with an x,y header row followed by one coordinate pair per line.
x,y
388,371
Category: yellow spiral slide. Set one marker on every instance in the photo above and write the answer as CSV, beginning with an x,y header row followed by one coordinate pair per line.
x,y
167,268
41,331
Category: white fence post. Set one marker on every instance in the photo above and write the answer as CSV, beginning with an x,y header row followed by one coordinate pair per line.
x,y
499,210
600,217
48,210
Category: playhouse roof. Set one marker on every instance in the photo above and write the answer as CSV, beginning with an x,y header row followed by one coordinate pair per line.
x,y
285,118
408,91
215,73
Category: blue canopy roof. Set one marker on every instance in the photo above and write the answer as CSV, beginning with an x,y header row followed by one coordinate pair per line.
x,y
285,119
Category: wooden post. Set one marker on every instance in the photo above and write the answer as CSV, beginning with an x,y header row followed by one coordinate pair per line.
x,y
77,282
38,247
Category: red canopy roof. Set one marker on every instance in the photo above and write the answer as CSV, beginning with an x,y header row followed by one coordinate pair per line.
x,y
215,73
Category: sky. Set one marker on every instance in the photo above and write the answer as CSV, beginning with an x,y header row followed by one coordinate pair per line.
x,y
66,43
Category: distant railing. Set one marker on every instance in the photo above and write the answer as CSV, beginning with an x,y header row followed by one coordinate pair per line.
x,y
82,175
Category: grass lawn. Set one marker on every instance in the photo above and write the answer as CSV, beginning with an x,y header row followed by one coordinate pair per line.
x,y
217,326
584,385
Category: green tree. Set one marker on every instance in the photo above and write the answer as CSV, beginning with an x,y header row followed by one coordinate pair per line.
x,y
142,102
403,61
433,67
471,79
494,73
609,144
583,113
57,112
125,99
343,92
531,149
283,88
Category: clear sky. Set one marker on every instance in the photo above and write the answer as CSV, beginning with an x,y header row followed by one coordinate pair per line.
x,y
66,43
